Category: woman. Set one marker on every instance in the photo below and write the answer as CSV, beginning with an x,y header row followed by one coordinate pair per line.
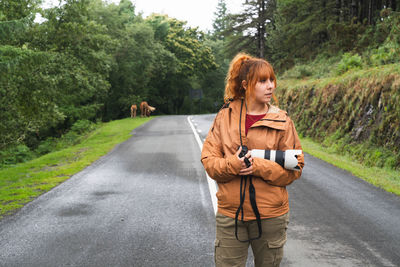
x,y
253,207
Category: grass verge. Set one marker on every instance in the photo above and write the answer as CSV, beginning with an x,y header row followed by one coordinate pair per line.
x,y
21,183
384,178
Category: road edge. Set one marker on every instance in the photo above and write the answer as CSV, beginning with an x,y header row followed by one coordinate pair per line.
x,y
212,185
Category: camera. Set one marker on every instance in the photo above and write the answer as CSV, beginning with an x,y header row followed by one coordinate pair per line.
x,y
243,153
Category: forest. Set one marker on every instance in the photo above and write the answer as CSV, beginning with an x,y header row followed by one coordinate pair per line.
x,y
88,61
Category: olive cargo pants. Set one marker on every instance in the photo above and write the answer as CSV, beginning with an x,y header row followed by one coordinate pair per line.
x,y
267,250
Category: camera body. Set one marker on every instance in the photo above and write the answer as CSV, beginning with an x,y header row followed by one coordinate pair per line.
x,y
242,153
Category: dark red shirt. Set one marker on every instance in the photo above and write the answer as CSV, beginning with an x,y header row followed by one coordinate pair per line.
x,y
251,119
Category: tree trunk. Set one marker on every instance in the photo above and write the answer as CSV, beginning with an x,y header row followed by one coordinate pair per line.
x,y
346,10
323,36
338,9
369,12
261,28
392,4
372,8
353,10
378,6
363,10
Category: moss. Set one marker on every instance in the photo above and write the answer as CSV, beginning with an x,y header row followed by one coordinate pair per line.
x,y
357,113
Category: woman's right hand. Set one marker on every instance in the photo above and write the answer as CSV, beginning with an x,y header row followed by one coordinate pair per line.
x,y
244,169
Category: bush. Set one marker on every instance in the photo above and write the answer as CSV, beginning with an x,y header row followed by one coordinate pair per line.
x,y
82,126
70,138
47,146
348,62
15,154
385,54
298,72
322,66
22,153
390,162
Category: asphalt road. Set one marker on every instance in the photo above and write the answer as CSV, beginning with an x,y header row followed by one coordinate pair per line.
x,y
147,203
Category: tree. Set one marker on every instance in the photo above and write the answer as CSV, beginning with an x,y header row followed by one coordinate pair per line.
x,y
15,19
70,29
362,10
247,30
130,77
300,29
14,32
191,58
220,22
70,32
41,90
15,10
213,82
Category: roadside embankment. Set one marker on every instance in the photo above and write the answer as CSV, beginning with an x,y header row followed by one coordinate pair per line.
x,y
356,115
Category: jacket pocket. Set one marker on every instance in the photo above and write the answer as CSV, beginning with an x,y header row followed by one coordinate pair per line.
x,y
228,194
271,196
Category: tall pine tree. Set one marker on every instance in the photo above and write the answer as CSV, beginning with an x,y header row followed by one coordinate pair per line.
x,y
220,21
247,30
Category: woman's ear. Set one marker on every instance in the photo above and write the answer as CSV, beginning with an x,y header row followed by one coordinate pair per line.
x,y
244,84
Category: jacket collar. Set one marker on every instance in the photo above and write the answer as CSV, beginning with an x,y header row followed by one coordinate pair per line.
x,y
275,117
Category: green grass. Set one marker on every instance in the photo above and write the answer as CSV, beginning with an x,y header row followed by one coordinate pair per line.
x,y
386,179
345,78
24,182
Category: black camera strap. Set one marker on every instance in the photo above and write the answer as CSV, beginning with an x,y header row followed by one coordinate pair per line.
x,y
252,194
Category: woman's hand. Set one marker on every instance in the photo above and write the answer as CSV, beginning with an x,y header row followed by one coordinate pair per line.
x,y
244,169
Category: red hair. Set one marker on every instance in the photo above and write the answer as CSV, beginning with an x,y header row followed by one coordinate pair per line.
x,y
244,67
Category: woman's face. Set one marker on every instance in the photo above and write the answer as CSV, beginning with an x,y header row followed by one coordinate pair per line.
x,y
263,91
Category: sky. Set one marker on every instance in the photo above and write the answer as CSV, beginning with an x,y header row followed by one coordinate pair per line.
x,y
195,12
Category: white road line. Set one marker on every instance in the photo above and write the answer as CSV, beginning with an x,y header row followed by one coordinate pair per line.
x,y
212,185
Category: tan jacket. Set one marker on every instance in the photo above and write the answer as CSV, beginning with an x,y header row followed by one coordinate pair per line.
x,y
275,131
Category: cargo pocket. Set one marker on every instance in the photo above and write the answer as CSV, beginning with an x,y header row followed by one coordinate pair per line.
x,y
230,252
216,244
277,242
276,234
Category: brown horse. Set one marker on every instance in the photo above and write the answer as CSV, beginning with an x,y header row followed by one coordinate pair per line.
x,y
133,111
145,109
